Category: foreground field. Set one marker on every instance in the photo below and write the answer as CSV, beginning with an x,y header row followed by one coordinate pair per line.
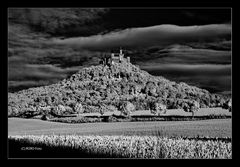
x,y
212,128
117,147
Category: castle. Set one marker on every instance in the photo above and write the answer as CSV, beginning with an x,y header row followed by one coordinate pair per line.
x,y
115,58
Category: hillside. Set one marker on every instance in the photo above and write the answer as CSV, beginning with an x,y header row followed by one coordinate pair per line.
x,y
105,88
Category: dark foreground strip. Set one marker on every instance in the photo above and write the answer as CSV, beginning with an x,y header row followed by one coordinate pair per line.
x,y
24,149
27,149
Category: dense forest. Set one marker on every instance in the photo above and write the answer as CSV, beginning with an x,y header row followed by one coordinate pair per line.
x,y
105,88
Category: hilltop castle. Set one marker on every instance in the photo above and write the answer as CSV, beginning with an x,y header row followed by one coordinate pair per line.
x,y
115,58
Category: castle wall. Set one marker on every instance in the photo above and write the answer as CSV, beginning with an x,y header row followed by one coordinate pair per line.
x,y
119,58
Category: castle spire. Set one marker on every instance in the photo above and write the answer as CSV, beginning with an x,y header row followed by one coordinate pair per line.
x,y
121,51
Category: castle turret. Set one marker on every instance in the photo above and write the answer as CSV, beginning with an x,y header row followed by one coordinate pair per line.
x,y
121,52
121,55
128,59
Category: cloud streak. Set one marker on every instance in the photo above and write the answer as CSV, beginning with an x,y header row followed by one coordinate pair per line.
x,y
160,35
215,78
23,76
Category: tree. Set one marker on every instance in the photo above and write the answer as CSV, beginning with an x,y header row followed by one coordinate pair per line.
x,y
44,117
185,107
60,109
228,105
78,108
102,109
159,108
191,106
194,107
126,108
43,110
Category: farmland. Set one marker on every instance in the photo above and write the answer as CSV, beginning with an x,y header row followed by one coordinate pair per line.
x,y
210,138
119,147
213,128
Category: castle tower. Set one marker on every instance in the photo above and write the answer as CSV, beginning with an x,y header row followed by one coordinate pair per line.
x,y
121,55
121,52
128,59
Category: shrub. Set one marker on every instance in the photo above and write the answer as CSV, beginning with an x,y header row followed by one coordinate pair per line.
x,y
191,106
126,108
58,110
78,108
110,119
102,109
159,108
91,109
43,110
44,117
12,111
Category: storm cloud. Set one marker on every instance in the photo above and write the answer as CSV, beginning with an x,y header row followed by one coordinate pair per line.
x,y
197,55
215,78
160,35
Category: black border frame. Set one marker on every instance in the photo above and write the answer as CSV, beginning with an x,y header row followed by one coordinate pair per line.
x,y
169,3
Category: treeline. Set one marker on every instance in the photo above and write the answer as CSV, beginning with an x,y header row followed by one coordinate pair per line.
x,y
100,88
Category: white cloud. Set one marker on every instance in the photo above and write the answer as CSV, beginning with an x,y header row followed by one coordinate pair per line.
x,y
149,36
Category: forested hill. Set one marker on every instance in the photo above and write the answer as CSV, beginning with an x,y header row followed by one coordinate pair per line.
x,y
104,88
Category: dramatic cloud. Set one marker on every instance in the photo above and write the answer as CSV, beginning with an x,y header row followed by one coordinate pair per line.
x,y
31,75
182,54
160,35
215,78
198,55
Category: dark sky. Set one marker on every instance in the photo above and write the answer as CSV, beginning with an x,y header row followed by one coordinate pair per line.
x,y
139,17
189,45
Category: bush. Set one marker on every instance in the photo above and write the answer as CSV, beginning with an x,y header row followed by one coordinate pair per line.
x,y
102,109
126,108
58,110
91,109
159,108
79,119
12,111
191,106
78,108
110,119
44,117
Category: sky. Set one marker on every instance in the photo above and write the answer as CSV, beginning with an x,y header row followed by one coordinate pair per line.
x,y
194,48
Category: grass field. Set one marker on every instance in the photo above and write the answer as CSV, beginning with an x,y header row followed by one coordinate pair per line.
x,y
212,128
210,138
57,146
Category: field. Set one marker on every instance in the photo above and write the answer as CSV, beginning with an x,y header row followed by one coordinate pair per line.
x,y
209,138
213,128
118,147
